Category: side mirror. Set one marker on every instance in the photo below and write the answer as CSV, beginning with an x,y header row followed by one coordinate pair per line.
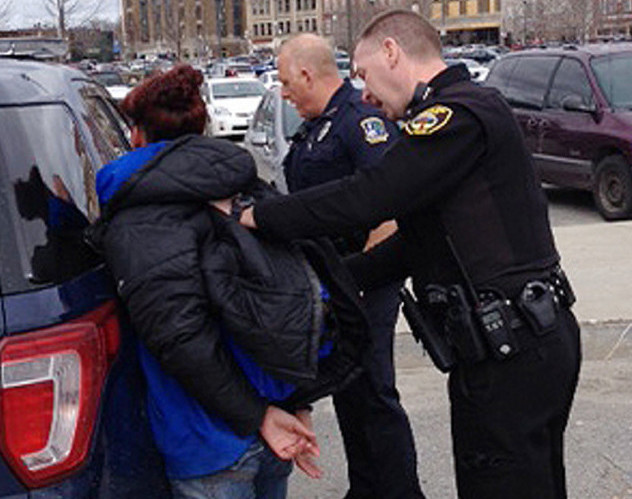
x,y
574,102
258,139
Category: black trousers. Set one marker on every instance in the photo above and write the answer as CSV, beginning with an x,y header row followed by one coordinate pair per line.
x,y
378,440
509,417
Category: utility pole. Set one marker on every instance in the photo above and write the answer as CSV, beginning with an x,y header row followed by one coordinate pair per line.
x,y
524,23
349,26
444,30
219,12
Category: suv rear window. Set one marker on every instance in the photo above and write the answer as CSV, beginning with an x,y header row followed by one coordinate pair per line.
x,y
501,74
48,198
529,81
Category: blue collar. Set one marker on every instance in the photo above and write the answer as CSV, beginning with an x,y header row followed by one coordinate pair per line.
x,y
341,95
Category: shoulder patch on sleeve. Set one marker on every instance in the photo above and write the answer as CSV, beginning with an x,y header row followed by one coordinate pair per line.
x,y
429,120
374,130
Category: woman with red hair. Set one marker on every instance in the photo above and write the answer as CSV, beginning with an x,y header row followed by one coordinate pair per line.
x,y
231,329
205,412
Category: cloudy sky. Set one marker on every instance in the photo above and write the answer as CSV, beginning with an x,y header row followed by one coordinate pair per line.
x,y
26,13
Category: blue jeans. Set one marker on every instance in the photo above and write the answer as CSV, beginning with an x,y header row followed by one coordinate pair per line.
x,y
258,474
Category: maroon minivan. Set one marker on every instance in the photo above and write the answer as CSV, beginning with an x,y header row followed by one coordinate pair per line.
x,y
574,105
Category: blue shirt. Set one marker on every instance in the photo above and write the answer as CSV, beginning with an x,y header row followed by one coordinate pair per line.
x,y
348,135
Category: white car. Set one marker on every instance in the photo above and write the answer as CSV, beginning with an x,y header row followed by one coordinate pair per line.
x,y
269,78
478,72
231,103
113,83
268,137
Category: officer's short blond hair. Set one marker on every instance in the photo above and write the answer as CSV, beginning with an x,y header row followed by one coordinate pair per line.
x,y
413,33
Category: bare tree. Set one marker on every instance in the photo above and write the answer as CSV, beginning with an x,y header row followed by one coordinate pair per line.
x,y
583,19
349,16
565,20
174,26
5,11
71,12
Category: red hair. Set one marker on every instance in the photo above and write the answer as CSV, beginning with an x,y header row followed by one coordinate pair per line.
x,y
168,105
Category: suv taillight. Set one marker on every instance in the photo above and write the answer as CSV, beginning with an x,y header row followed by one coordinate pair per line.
x,y
50,388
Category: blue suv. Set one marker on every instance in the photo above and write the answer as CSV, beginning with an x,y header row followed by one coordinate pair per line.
x,y
72,414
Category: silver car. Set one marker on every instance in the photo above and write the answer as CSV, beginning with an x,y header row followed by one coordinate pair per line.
x,y
268,136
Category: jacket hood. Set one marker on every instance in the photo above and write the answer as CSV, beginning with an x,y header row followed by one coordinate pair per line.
x,y
190,169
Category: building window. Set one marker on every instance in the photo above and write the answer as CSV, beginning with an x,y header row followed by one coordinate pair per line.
x,y
256,29
287,27
299,26
157,20
462,8
483,6
313,4
144,21
269,29
314,26
238,29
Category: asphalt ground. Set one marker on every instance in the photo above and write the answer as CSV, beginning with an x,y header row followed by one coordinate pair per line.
x,y
595,255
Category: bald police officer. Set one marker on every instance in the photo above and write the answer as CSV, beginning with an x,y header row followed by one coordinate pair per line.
x,y
342,134
475,237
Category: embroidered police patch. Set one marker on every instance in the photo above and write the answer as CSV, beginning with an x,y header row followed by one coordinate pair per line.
x,y
374,130
429,120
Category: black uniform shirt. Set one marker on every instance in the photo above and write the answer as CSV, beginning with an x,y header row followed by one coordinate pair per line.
x,y
461,169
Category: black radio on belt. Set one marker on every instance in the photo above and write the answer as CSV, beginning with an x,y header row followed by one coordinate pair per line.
x,y
495,323
484,322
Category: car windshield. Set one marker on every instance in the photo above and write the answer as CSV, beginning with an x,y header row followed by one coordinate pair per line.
x,y
227,90
291,119
614,73
108,79
241,68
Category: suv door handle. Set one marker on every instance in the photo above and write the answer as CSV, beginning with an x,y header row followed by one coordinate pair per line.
x,y
532,124
544,124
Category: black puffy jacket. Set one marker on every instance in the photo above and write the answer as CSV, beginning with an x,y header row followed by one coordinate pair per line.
x,y
182,268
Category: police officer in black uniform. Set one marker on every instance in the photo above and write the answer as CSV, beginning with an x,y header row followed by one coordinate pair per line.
x,y
340,135
475,237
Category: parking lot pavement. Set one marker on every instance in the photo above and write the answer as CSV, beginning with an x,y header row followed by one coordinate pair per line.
x,y
598,440
597,259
